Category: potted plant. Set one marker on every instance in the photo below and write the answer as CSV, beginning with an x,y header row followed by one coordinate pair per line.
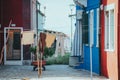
x,y
34,59
33,50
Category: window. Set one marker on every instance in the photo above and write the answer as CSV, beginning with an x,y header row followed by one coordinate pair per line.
x,y
16,41
109,28
85,28
91,27
97,36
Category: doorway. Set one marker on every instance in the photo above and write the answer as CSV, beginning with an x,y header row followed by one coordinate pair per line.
x,y
13,52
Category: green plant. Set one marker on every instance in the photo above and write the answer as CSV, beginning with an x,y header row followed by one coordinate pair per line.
x,y
66,58
58,60
33,49
50,60
48,52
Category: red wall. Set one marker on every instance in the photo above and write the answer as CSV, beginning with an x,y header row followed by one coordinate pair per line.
x,y
12,9
26,14
18,11
103,53
109,60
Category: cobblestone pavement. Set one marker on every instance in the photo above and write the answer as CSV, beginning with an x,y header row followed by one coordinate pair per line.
x,y
53,72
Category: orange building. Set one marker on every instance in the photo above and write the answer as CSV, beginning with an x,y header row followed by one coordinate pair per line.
x,y
110,39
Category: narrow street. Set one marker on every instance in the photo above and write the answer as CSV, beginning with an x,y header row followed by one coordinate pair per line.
x,y
53,72
80,33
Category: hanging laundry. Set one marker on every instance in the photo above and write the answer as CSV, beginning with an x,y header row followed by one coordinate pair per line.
x,y
50,38
27,37
42,42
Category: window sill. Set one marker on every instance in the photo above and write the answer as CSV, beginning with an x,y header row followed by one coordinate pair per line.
x,y
109,50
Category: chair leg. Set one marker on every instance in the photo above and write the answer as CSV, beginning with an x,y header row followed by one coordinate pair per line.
x,y
43,67
34,68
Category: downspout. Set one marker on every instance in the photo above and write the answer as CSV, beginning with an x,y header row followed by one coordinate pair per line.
x,y
100,12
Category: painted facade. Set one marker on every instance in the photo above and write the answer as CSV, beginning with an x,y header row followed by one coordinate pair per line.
x,y
57,40
92,19
118,39
19,13
110,65
76,54
23,16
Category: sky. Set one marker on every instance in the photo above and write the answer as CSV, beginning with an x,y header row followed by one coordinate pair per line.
x,y
57,12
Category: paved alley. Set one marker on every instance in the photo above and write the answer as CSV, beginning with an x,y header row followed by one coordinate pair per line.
x,y
53,72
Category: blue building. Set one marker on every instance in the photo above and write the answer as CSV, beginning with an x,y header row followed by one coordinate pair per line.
x,y
90,35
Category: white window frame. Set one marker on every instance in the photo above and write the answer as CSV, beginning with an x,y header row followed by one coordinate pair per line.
x,y
109,36
91,28
13,62
97,27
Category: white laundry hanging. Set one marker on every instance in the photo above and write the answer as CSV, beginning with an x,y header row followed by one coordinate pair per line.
x,y
27,37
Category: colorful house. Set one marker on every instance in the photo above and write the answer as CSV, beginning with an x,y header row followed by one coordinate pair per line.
x,y
57,40
77,54
118,39
110,39
90,36
20,15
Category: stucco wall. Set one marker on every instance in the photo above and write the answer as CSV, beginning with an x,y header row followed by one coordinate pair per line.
x,y
91,5
109,60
